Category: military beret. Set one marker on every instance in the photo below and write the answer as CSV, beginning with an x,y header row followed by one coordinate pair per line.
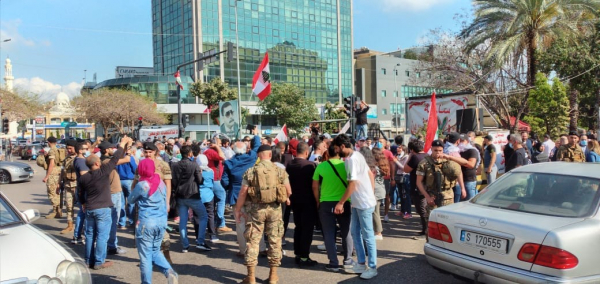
x,y
71,143
264,148
105,145
573,133
150,146
437,143
453,137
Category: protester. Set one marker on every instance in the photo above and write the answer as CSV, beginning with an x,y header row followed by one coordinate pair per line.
x,y
548,144
539,154
489,159
593,154
80,169
388,181
126,173
215,161
518,157
402,180
381,169
360,112
361,184
320,148
207,196
416,156
469,161
151,195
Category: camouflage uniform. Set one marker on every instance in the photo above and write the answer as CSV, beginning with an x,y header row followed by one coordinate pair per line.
x,y
53,181
450,173
263,218
69,179
566,153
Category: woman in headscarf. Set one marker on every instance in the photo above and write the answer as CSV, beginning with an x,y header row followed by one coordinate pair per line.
x,y
150,194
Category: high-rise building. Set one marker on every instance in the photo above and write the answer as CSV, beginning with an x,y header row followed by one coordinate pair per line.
x,y
309,42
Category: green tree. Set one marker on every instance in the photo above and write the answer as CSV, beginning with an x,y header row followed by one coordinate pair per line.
x,y
548,107
213,92
289,105
410,54
333,111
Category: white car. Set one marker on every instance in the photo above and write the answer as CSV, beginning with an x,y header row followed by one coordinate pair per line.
x,y
536,224
29,255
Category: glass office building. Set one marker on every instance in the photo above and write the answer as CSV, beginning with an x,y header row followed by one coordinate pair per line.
x,y
309,42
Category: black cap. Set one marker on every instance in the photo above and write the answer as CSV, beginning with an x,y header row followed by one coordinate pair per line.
x,y
573,133
51,139
489,137
150,146
453,137
71,143
437,143
264,148
105,145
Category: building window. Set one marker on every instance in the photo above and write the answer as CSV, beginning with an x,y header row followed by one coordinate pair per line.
x,y
313,38
294,14
275,10
255,29
392,108
311,17
418,74
383,111
232,26
328,21
396,72
395,94
383,71
254,7
407,73
383,93
428,76
276,33
294,35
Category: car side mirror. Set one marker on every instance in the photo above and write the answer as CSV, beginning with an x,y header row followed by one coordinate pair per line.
x,y
31,215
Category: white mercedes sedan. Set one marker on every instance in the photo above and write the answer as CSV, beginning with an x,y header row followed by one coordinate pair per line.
x,y
29,255
537,224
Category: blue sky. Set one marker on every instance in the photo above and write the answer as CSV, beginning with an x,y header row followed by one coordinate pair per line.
x,y
54,41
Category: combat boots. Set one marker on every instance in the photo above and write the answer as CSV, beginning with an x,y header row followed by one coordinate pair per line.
x,y
58,212
250,279
273,278
69,228
53,214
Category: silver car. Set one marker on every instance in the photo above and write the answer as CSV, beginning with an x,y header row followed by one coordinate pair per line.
x,y
14,171
536,224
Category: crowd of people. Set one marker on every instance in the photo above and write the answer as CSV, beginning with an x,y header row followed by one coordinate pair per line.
x,y
334,187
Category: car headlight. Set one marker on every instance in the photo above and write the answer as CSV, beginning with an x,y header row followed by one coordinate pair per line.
x,y
16,169
69,272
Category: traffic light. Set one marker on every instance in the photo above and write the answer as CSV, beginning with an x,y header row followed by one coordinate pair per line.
x,y
185,120
231,52
348,104
140,121
5,125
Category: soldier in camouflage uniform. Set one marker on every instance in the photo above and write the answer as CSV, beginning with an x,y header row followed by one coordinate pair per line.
x,y
436,178
164,171
262,218
52,179
69,180
571,152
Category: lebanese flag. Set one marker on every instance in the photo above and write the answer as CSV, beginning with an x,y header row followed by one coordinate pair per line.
x,y
208,109
177,76
261,82
282,136
432,125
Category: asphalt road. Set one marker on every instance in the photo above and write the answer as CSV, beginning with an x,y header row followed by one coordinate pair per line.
x,y
400,254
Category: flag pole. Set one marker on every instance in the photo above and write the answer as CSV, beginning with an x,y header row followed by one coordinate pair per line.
x,y
237,51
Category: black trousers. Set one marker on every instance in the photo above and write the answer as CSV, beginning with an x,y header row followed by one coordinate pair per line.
x,y
421,206
305,217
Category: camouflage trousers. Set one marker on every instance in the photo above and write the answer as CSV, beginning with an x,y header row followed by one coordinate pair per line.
x,y
431,207
69,196
51,186
263,219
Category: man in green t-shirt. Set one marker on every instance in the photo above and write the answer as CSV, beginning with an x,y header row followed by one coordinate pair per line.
x,y
330,176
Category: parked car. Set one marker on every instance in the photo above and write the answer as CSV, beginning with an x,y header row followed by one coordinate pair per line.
x,y
22,246
536,224
30,152
14,171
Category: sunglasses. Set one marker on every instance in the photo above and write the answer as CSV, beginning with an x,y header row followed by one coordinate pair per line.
x,y
229,113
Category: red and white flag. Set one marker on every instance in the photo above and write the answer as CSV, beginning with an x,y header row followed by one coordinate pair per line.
x,y
261,82
282,136
177,76
208,109
432,124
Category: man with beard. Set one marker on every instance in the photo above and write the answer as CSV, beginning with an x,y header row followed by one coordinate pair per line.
x,y
229,126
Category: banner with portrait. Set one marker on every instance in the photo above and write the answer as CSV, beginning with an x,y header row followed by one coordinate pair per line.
x,y
228,118
418,112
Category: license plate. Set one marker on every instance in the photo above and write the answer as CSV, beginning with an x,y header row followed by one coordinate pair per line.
x,y
482,241
30,174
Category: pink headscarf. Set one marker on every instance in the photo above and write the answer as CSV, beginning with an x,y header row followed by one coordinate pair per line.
x,y
146,172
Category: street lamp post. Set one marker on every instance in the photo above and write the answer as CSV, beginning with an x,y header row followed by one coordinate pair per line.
x,y
237,58
396,95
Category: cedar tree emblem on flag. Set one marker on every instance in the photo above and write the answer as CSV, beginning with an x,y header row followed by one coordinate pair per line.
x,y
261,84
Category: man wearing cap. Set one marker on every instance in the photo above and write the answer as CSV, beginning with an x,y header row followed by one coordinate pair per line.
x,y
69,181
489,158
436,178
52,179
261,218
571,152
451,146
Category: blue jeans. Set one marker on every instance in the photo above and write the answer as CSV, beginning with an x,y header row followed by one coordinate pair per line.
x,y
361,228
127,210
219,204
97,228
79,223
116,210
361,130
198,207
148,237
471,187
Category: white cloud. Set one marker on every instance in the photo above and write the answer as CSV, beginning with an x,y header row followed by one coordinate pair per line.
x,y
47,90
412,5
10,30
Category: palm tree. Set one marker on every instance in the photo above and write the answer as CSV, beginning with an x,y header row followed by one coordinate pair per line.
x,y
516,28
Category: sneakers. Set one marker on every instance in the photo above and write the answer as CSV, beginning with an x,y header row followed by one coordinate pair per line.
x,y
204,247
307,262
349,264
370,273
214,239
185,250
106,264
378,237
224,229
333,268
321,247
356,269
116,251
172,277
77,241
393,207
386,219
407,216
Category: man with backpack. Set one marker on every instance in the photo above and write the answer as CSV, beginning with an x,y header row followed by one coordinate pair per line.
x,y
69,181
54,160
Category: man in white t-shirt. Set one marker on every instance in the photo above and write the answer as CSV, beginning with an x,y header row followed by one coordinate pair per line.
x,y
548,144
319,148
361,184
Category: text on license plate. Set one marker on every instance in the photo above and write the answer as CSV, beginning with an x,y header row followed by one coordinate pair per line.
x,y
484,241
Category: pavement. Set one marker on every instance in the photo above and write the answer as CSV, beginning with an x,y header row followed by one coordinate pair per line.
x,y
400,256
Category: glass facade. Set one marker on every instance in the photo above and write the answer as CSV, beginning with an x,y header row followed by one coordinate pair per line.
x,y
309,42
161,89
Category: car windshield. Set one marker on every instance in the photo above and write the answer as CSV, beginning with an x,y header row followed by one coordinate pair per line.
x,y
545,194
7,215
